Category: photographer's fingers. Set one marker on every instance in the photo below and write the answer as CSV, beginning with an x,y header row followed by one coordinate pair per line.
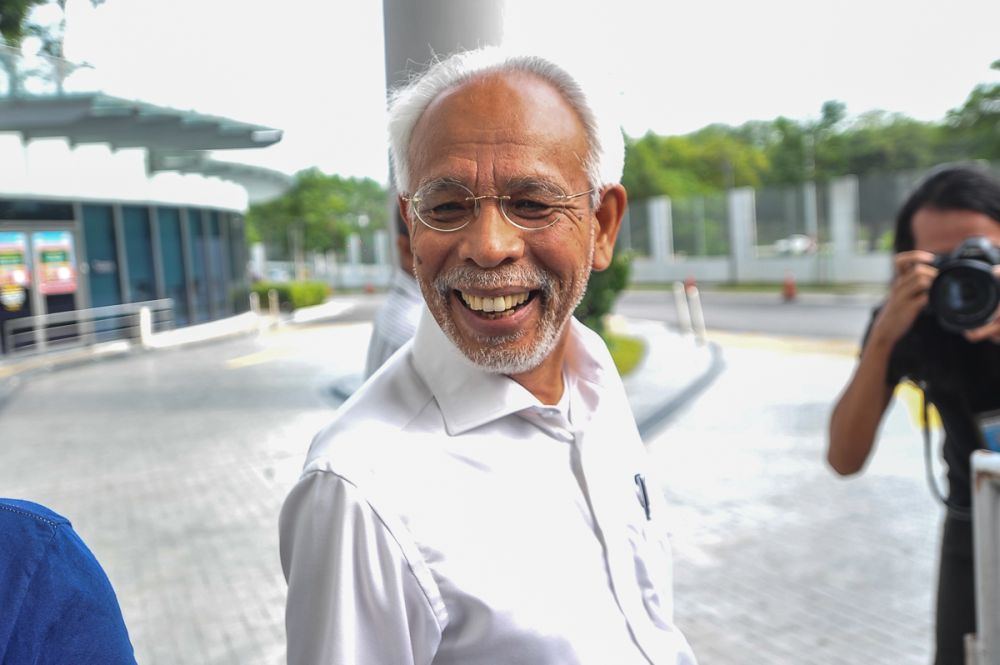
x,y
907,298
907,261
989,332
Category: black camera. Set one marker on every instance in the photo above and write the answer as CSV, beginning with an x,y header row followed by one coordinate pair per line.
x,y
965,294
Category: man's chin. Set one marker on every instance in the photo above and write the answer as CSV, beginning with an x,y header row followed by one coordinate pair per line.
x,y
500,356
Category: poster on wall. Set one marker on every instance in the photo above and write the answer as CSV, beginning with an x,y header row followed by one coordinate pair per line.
x,y
56,263
15,276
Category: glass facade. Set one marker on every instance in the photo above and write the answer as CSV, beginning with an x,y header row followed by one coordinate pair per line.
x,y
128,253
139,254
172,260
199,257
216,264
102,255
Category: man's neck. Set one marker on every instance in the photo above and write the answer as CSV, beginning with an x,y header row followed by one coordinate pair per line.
x,y
545,382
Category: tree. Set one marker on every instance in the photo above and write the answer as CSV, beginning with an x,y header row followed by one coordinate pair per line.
x,y
710,159
321,210
14,25
973,130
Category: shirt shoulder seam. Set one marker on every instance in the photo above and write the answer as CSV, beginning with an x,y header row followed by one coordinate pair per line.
x,y
441,621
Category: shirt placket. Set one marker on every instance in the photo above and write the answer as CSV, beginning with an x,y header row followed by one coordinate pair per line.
x,y
609,497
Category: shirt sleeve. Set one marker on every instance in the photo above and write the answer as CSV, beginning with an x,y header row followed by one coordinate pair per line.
x,y
352,596
69,613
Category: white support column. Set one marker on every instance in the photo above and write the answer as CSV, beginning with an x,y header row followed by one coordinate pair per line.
x,y
381,240
843,215
742,218
354,249
661,229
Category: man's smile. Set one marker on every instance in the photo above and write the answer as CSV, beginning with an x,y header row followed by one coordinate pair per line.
x,y
495,306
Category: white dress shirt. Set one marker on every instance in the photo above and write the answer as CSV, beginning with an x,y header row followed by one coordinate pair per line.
x,y
446,516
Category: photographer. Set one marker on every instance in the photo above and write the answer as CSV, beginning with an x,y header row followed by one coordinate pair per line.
x,y
922,333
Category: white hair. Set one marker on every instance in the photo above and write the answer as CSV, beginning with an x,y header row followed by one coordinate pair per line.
x,y
606,146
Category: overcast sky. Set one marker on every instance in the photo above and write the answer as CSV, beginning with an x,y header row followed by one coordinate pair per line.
x,y
315,68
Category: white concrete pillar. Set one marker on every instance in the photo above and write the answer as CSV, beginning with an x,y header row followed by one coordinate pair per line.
x,y
354,249
417,31
844,219
661,229
382,255
742,220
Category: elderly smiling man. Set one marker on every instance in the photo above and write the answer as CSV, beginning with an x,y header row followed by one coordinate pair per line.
x,y
483,498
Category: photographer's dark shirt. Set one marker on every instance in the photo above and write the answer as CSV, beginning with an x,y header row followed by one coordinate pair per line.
x,y
962,380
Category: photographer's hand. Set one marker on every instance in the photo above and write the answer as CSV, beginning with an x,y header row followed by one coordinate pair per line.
x,y
907,297
991,331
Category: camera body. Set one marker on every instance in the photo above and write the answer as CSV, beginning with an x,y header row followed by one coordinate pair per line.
x,y
965,294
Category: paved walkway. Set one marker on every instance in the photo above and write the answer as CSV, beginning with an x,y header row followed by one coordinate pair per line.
x,y
777,561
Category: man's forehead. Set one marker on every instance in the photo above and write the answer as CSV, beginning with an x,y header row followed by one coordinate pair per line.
x,y
510,108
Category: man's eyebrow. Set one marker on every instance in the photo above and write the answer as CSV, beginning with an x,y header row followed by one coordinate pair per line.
x,y
440,182
533,182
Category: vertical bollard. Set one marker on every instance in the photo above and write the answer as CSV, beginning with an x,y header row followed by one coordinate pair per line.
x,y
255,308
272,305
697,315
145,327
683,314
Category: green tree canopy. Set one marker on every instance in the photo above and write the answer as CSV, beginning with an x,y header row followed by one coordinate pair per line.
x,y
323,209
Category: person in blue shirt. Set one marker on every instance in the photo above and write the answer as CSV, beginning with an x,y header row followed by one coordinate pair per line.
x,y
56,604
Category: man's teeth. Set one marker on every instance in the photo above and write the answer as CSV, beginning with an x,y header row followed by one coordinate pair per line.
x,y
494,304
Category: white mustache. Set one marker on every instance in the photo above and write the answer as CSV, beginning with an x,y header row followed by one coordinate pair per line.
x,y
465,277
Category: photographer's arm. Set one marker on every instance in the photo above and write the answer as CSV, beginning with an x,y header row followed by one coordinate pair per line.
x,y
858,413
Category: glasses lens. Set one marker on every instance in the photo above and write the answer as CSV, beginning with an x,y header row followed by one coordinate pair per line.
x,y
535,207
444,206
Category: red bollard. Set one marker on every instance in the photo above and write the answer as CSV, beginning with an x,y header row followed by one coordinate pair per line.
x,y
788,288
689,283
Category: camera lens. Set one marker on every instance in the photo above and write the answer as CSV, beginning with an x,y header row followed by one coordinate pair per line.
x,y
964,297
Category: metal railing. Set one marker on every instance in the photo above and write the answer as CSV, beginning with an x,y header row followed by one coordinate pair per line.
x,y
984,647
86,327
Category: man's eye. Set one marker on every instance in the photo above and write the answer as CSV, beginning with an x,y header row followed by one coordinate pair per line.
x,y
530,208
447,210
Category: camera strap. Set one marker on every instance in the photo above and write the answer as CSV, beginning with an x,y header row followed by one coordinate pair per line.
x,y
956,511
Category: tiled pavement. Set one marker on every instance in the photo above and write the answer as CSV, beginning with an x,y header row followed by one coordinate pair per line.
x,y
776,560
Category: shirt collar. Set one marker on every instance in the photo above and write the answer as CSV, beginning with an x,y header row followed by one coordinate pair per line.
x,y
469,396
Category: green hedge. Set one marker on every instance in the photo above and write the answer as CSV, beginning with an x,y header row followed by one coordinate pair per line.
x,y
292,295
603,290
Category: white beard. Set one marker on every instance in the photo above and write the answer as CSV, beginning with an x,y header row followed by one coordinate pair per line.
x,y
499,354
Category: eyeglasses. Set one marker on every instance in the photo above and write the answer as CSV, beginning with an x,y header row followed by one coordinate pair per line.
x,y
448,206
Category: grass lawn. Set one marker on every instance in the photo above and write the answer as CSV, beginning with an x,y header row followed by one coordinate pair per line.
x,y
625,351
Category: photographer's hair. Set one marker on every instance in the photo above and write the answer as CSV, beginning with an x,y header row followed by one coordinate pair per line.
x,y
953,187
606,147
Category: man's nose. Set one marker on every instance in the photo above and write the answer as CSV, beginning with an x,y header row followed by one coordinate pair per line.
x,y
490,240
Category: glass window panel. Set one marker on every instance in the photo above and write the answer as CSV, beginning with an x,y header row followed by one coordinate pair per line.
x,y
216,264
199,275
139,253
102,255
172,254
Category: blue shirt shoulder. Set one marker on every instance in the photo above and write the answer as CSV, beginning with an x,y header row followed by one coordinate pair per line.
x,y
58,604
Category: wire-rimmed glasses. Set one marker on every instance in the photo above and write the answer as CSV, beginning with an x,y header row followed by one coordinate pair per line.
x,y
448,206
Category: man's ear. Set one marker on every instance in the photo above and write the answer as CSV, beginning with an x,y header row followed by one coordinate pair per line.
x,y
404,211
609,215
